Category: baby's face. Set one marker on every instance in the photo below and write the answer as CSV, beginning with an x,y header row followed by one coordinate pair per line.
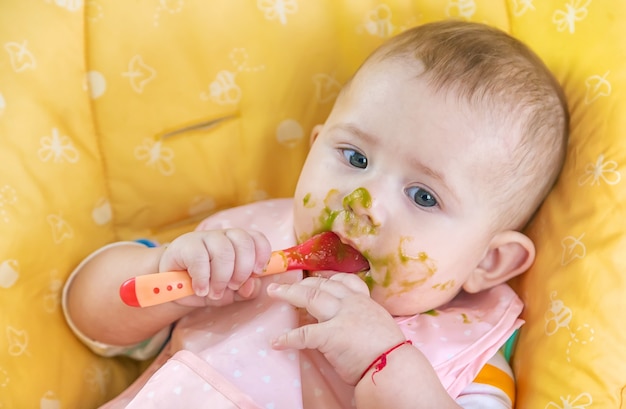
x,y
397,173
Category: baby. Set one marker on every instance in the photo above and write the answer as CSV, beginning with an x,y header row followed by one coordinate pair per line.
x,y
435,156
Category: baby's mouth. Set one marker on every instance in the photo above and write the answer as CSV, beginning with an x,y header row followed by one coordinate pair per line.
x,y
341,255
354,254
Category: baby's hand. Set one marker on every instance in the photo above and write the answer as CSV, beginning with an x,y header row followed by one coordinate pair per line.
x,y
352,329
220,263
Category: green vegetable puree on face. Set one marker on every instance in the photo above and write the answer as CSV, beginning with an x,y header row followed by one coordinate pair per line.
x,y
306,201
360,197
355,226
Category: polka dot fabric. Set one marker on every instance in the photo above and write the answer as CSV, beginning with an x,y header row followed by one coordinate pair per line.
x,y
126,120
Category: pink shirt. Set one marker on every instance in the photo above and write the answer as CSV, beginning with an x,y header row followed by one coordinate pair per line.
x,y
221,357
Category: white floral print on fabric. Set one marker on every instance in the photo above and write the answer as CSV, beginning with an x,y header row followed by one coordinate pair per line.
x,y
49,400
9,273
573,248
224,90
139,73
461,8
52,295
58,148
61,229
559,316
96,84
18,341
327,88
378,22
167,6
289,133
98,377
601,172
20,56
8,198
575,11
277,9
93,10
520,7
102,213
4,378
597,86
580,401
69,5
157,156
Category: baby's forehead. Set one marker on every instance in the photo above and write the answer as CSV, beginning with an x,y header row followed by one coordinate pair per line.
x,y
492,119
478,89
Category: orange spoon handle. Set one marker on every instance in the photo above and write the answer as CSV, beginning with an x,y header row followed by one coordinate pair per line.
x,y
153,289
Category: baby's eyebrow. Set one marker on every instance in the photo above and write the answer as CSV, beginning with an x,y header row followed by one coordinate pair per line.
x,y
438,176
355,130
423,168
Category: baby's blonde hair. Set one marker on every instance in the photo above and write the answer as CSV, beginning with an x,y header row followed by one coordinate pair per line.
x,y
491,70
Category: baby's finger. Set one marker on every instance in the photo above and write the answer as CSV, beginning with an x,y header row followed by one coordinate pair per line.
x,y
221,263
249,289
263,251
335,287
352,281
299,338
245,256
186,253
319,303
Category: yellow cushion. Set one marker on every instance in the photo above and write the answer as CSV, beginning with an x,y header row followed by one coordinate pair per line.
x,y
572,351
121,120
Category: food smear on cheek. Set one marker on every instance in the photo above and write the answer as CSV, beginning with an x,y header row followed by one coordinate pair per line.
x,y
418,269
368,279
306,201
354,225
327,216
445,286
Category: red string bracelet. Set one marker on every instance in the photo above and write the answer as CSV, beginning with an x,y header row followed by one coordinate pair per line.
x,y
380,362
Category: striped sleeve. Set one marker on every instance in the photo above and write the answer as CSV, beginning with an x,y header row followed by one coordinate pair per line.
x,y
142,350
493,387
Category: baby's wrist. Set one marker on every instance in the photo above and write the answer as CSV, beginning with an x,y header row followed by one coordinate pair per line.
x,y
380,362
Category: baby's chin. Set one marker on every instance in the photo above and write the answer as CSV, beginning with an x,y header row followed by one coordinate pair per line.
x,y
403,305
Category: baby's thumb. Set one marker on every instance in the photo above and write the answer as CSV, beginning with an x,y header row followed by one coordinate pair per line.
x,y
249,289
299,338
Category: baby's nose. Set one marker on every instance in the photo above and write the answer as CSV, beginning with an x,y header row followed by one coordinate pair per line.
x,y
360,203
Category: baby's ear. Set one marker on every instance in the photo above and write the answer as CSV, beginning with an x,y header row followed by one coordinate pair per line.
x,y
316,131
510,253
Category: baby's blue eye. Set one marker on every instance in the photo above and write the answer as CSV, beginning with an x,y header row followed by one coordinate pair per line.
x,y
422,197
355,158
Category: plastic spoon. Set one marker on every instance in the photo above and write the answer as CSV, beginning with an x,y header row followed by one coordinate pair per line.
x,y
324,251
